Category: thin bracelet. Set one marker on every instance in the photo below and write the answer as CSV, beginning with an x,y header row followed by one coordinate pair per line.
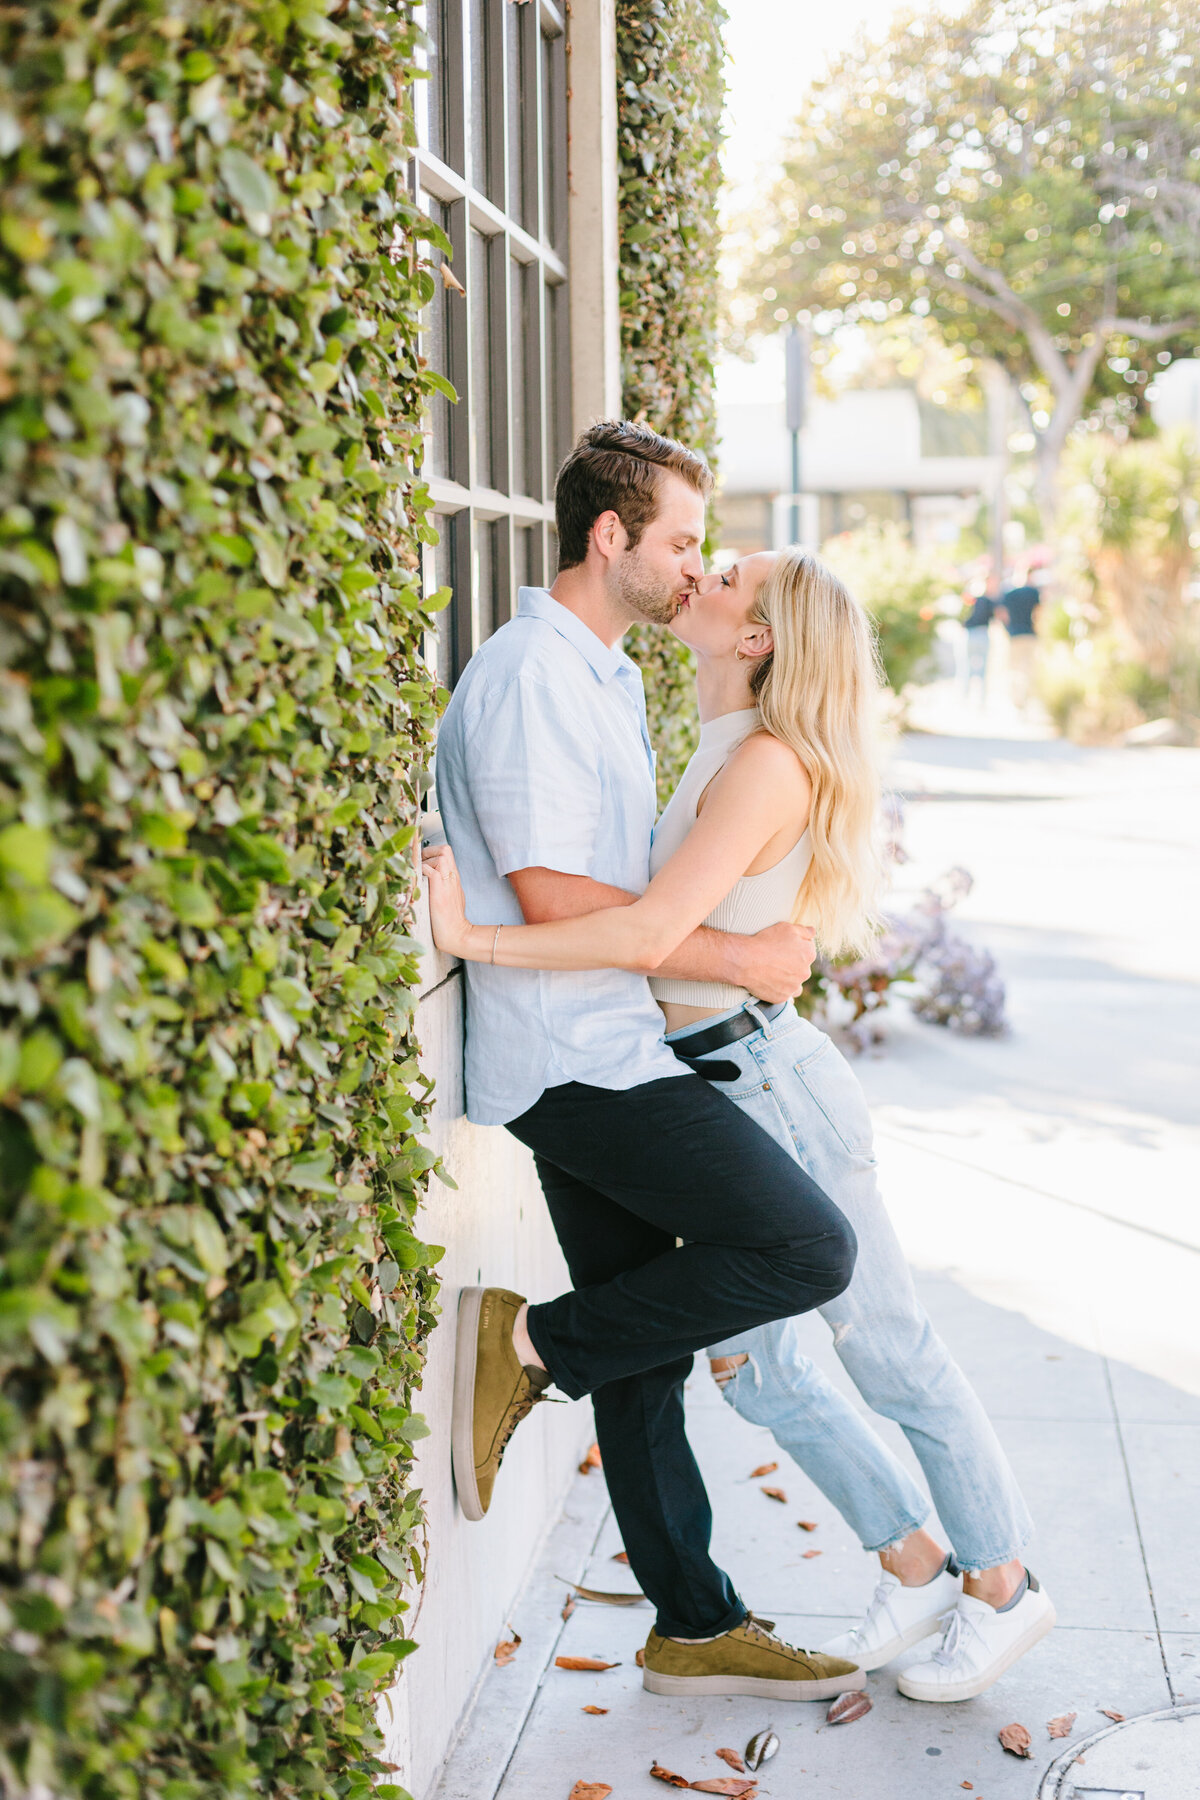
x,y
495,941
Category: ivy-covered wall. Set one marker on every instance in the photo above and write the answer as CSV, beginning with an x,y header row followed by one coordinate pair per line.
x,y
213,719
671,92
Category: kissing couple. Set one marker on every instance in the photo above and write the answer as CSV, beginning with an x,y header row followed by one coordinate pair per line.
x,y
705,1153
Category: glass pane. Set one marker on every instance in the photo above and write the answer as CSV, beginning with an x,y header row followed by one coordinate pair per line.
x,y
437,349
486,99
521,122
523,569
558,427
523,402
478,97
486,598
479,293
439,573
435,87
554,141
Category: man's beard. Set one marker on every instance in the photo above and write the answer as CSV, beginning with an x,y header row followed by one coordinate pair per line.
x,y
646,595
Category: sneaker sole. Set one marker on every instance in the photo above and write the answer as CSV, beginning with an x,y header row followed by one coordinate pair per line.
x,y
969,1690
754,1687
886,1653
462,1427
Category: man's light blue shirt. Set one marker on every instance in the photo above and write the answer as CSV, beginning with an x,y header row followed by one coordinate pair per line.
x,y
544,761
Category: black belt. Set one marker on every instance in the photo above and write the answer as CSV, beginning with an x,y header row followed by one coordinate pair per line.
x,y
703,1043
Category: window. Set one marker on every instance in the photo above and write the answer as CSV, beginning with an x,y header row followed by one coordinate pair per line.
x,y
491,170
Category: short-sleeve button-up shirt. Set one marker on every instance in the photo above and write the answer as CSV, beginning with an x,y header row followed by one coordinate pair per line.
x,y
544,761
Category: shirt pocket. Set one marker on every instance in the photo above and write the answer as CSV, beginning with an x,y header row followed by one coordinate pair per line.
x,y
835,1090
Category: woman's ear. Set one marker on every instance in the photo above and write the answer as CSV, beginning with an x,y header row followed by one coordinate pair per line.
x,y
757,641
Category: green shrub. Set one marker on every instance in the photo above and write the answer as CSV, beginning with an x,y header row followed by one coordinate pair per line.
x,y
670,96
900,587
213,718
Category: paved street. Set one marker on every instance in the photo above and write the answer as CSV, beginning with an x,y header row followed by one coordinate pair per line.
x,y
1045,1187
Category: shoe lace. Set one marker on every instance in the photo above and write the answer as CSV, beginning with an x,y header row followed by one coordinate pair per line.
x,y
761,1628
521,1409
956,1624
878,1601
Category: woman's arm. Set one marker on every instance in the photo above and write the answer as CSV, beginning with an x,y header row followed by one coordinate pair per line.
x,y
760,788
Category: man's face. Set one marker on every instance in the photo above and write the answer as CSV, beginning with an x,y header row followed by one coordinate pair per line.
x,y
653,579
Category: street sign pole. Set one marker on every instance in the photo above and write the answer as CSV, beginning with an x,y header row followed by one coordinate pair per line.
x,y
796,358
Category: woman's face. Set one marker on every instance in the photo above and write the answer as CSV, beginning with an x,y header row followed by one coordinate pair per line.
x,y
714,619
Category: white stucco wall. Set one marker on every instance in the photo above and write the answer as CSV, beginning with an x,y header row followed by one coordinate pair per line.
x,y
496,1231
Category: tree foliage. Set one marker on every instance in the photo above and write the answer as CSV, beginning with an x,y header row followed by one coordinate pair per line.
x,y
899,586
671,90
213,718
1133,509
1026,177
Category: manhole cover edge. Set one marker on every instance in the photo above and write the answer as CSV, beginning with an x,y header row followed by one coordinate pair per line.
x,y
1051,1787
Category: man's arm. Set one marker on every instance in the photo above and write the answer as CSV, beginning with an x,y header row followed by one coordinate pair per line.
x,y
773,964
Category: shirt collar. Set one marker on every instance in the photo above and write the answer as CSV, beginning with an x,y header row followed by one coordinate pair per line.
x,y
539,603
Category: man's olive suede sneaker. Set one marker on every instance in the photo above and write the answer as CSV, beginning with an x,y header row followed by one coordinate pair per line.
x,y
493,1392
747,1660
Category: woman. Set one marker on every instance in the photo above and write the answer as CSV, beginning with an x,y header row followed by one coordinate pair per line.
x,y
773,819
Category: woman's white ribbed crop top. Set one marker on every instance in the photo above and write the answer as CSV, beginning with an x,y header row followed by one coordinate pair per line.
x,y
751,903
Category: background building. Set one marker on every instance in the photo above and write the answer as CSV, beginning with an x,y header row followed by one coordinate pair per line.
x,y
869,453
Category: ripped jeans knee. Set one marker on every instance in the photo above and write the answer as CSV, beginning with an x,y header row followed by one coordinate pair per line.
x,y
724,1368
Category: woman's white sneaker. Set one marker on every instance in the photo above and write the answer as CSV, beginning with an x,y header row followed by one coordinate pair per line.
x,y
897,1618
978,1645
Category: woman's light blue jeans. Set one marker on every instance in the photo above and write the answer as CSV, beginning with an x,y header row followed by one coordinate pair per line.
x,y
799,1088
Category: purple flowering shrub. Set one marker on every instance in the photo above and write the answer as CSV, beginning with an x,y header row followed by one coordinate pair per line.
x,y
952,982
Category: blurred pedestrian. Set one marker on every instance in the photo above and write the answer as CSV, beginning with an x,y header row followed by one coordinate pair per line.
x,y
1018,611
977,619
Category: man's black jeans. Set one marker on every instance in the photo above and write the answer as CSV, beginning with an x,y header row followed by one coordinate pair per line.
x,y
625,1175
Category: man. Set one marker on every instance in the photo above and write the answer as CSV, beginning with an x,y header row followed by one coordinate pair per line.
x,y
545,779
1018,609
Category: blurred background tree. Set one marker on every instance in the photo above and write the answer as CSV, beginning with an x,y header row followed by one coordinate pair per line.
x,y
899,586
1025,179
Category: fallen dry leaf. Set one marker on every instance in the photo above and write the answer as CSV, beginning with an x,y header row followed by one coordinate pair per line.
x,y
504,1652
966,1784
807,1524
734,1759
727,1784
583,1662
603,1597
622,1556
590,1790
569,1607
450,279
594,1709
763,1469
775,1494
848,1707
1108,1711
639,1657
809,1554
1061,1727
1015,1739
668,1775
591,1461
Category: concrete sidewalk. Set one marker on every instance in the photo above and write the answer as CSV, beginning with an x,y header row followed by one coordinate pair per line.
x,y
1045,1188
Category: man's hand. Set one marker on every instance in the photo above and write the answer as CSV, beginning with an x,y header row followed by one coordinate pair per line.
x,y
777,961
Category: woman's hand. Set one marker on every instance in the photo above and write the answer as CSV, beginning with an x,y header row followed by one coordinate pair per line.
x,y
447,902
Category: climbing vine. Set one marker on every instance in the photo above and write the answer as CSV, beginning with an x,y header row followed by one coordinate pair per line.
x,y
671,92
214,716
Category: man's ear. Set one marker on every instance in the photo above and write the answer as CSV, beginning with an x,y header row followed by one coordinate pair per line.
x,y
609,534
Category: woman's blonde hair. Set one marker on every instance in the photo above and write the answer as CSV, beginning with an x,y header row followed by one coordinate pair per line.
x,y
818,691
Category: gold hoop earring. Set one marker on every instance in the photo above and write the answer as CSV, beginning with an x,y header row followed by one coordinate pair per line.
x,y
740,656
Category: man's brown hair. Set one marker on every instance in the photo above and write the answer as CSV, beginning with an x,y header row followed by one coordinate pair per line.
x,y
617,466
